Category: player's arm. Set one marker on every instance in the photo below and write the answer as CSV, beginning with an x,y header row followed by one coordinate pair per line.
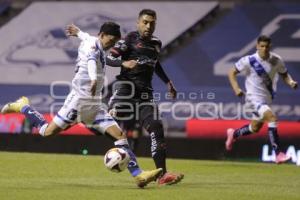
x,y
92,71
287,78
114,57
284,74
232,74
74,31
163,76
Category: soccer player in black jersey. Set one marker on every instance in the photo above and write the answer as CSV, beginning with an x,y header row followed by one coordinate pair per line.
x,y
138,56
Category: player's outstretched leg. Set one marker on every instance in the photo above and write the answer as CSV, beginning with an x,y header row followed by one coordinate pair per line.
x,y
16,106
141,177
274,140
230,139
270,117
232,135
22,106
158,151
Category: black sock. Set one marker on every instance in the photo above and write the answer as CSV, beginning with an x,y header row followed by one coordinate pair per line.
x,y
158,151
274,138
245,130
35,118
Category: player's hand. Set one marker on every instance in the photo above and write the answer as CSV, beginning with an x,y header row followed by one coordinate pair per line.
x,y
129,64
238,92
294,84
113,112
93,87
72,30
172,90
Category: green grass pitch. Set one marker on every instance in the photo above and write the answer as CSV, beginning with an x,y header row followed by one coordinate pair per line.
x,y
28,176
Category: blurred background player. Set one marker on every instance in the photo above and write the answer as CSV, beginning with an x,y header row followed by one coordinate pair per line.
x,y
83,102
262,69
138,57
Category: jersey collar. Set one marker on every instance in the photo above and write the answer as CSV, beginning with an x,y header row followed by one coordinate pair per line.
x,y
98,45
261,60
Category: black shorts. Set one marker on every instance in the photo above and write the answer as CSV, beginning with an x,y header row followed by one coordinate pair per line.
x,y
127,105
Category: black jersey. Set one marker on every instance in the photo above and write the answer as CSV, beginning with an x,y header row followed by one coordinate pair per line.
x,y
146,52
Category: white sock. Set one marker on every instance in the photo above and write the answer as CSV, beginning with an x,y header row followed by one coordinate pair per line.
x,y
250,128
272,124
43,129
121,142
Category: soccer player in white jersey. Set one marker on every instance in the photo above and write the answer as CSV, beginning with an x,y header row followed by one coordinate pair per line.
x,y
83,104
262,69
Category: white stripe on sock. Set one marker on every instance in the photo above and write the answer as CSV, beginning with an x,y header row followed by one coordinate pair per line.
x,y
272,124
121,142
250,128
43,129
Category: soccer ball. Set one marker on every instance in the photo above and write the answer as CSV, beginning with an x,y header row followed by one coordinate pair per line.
x,y
116,159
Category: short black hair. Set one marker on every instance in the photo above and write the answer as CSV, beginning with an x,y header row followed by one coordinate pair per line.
x,y
264,38
110,28
147,12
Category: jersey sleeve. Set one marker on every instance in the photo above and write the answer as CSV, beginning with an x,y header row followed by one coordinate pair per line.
x,y
119,49
114,57
281,69
242,63
83,35
92,69
92,54
92,57
161,73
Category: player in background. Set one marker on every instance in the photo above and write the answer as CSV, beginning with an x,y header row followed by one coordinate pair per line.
x,y
262,69
83,102
138,56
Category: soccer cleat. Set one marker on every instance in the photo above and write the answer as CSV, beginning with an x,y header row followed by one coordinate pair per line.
x,y
147,176
230,140
170,179
282,158
15,107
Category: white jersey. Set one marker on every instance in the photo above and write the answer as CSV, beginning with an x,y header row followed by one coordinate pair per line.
x,y
256,89
79,106
89,49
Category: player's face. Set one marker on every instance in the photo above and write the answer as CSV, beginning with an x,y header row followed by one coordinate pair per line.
x,y
108,41
146,25
263,49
